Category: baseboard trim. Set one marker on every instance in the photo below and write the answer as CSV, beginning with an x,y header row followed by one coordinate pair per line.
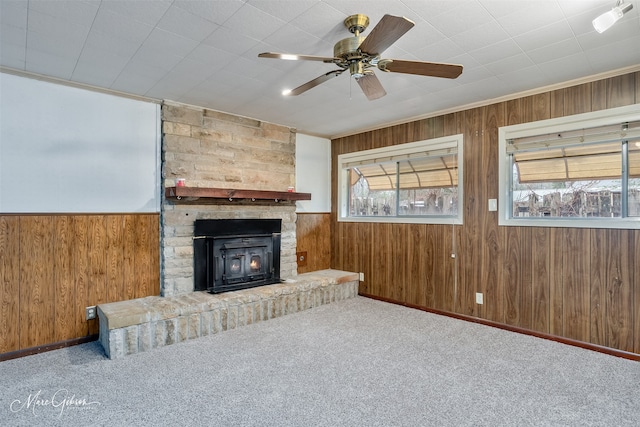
x,y
588,346
47,347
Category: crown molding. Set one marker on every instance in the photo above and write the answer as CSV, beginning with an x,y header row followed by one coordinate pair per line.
x,y
77,85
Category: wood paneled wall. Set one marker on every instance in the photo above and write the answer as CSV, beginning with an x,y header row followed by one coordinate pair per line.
x,y
313,236
53,266
582,284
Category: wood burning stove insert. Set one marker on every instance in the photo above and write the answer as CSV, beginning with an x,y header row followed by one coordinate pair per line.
x,y
232,254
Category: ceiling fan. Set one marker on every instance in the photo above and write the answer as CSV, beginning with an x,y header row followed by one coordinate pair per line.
x,y
359,54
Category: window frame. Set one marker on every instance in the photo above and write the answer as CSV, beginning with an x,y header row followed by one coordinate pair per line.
x,y
400,150
576,122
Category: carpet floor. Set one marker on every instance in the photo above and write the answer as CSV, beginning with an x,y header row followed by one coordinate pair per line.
x,y
357,362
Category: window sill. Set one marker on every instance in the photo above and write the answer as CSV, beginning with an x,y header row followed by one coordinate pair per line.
x,y
402,220
618,223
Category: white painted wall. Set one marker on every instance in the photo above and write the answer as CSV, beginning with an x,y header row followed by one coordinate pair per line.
x,y
313,173
64,149
70,150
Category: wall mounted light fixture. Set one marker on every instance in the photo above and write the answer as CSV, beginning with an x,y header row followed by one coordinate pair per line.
x,y
607,19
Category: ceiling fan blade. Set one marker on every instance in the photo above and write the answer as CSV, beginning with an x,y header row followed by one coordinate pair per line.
x,y
313,83
433,69
371,86
389,29
293,57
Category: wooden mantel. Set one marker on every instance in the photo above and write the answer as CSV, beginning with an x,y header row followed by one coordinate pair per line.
x,y
230,194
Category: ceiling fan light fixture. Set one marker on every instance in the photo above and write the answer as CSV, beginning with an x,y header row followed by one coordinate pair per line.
x,y
356,69
289,57
286,92
605,21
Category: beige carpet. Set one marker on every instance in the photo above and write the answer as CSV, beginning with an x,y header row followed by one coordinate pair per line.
x,y
357,362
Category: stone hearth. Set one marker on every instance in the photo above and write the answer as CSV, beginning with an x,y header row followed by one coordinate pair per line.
x,y
129,327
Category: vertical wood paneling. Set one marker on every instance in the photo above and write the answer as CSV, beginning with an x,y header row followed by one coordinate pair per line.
x,y
599,95
557,282
363,247
53,266
141,262
36,276
115,259
351,255
537,107
145,239
473,208
511,276
540,262
97,253
451,124
82,273
619,291
577,99
513,262
526,278
9,283
419,267
514,112
337,245
313,232
437,123
448,283
452,242
153,253
600,246
428,273
532,282
129,257
383,262
576,295
398,274
557,103
64,280
490,254
621,91
574,283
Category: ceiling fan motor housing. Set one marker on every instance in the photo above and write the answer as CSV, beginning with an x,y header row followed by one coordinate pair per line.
x,y
347,49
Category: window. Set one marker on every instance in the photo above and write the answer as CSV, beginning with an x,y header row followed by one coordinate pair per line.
x,y
418,182
577,171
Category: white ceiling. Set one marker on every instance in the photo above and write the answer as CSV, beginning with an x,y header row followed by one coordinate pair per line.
x,y
204,52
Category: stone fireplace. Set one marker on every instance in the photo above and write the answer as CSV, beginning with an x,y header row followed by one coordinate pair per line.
x,y
235,171
210,149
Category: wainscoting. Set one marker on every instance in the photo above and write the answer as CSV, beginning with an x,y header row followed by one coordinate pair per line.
x,y
581,284
313,236
53,266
